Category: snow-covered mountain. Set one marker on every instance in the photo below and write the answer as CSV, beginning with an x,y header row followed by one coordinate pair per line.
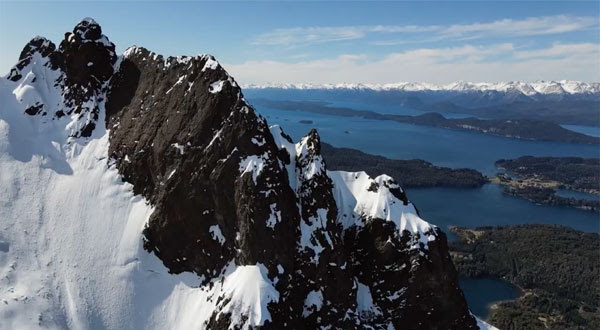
x,y
560,102
538,87
144,192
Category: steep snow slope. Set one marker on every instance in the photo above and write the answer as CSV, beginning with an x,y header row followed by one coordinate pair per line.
x,y
70,225
360,198
71,232
71,229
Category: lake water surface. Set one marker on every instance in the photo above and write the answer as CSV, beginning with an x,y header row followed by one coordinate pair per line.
x,y
485,206
391,109
587,130
495,290
450,148
576,194
488,206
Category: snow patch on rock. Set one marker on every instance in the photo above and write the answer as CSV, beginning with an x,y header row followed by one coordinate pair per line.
x,y
364,302
312,303
253,164
217,235
211,63
307,231
274,216
357,203
484,325
179,147
216,87
247,291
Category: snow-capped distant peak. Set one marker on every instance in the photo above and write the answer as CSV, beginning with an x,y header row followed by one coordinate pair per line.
x,y
538,87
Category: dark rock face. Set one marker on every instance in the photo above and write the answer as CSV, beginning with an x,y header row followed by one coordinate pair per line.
x,y
181,147
183,135
413,292
87,57
38,44
320,262
228,190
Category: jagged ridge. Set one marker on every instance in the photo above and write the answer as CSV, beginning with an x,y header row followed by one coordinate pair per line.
x,y
222,183
232,200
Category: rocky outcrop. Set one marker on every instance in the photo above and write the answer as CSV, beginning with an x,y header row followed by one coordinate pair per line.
x,y
227,189
83,63
182,143
276,239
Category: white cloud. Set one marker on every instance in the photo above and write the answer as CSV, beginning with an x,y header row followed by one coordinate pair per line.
x,y
308,35
583,49
531,26
501,62
526,27
463,53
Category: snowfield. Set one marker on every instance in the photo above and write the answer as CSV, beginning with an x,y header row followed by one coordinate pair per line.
x,y
71,252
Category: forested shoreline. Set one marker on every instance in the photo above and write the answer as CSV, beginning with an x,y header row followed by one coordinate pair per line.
x,y
409,173
557,267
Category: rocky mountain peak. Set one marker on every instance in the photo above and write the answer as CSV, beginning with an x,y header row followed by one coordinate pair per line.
x,y
88,29
38,44
88,56
308,154
229,191
273,238
311,144
80,69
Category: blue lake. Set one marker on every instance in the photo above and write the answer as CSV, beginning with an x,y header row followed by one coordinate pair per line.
x,y
495,290
488,206
444,207
451,148
587,130
390,109
576,194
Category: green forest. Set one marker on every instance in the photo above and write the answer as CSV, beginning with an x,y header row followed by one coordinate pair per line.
x,y
408,173
557,267
574,172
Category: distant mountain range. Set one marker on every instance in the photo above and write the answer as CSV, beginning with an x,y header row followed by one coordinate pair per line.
x,y
560,102
529,89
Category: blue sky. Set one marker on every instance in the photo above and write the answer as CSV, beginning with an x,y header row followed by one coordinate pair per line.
x,y
330,42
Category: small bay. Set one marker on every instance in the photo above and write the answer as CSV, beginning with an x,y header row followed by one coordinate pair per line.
x,y
481,293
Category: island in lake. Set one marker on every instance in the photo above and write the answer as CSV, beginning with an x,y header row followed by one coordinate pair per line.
x,y
409,173
538,179
512,128
557,268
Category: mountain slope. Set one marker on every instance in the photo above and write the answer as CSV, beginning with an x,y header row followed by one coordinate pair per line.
x,y
144,192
